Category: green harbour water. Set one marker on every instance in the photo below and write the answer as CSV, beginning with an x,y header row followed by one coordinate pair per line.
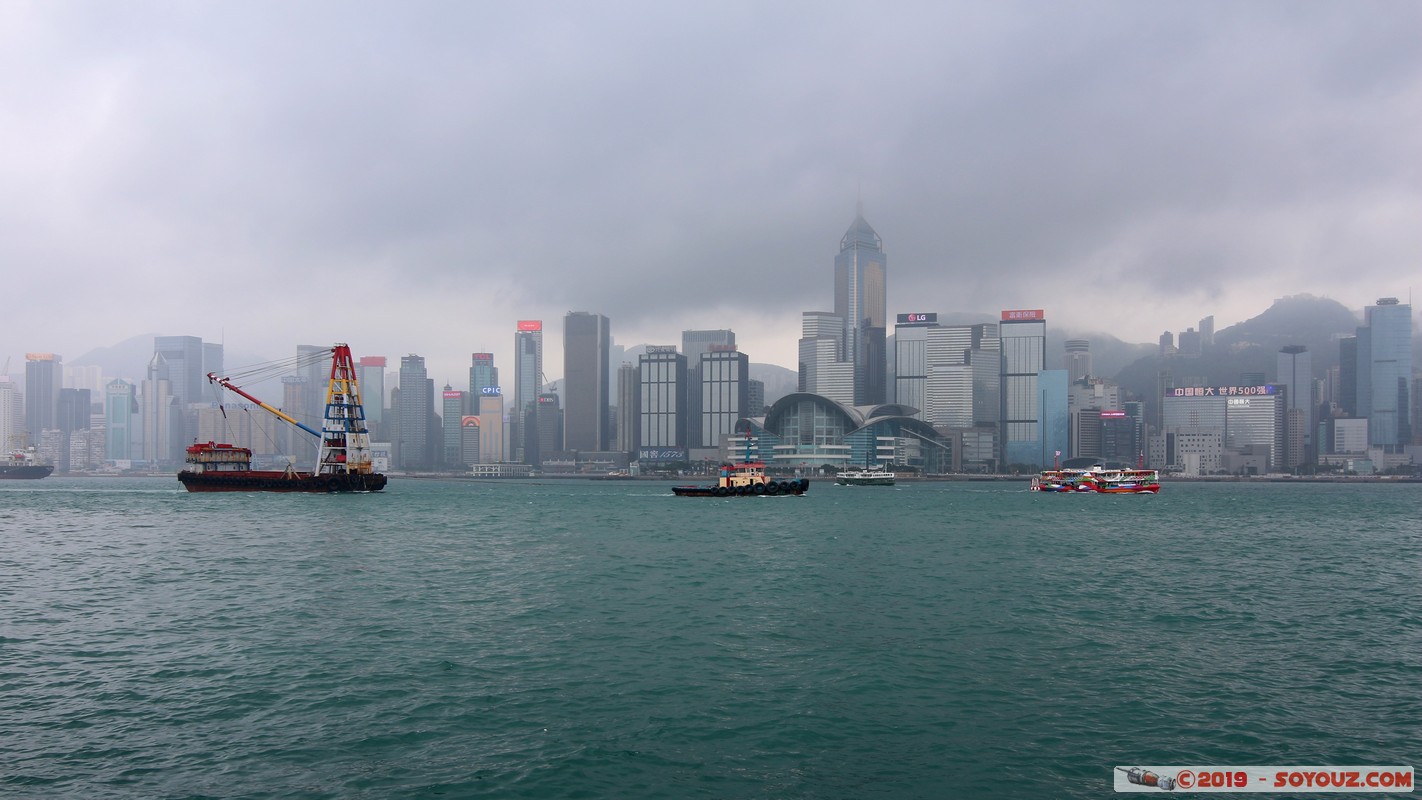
x,y
530,639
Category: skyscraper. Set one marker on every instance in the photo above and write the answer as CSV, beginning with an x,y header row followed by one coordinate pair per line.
x,y
550,424
487,401
314,364
184,357
860,299
695,344
528,384
295,397
911,360
1296,374
371,374
723,383
187,360
212,361
44,375
1348,375
12,415
662,382
160,429
414,412
1207,330
1077,359
120,409
1023,338
456,406
823,368
1385,373
628,408
482,374
491,426
586,342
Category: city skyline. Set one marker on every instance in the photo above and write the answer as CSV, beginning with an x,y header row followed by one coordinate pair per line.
x,y
209,173
144,344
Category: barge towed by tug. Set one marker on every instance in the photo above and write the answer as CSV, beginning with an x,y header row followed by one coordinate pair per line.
x,y
343,462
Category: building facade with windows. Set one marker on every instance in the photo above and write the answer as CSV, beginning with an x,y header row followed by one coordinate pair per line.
x,y
662,398
723,382
1022,338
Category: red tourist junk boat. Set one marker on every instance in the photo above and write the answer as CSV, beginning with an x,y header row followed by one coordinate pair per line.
x,y
343,462
1098,479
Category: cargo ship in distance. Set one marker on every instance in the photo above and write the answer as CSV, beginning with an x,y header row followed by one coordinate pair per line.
x,y
24,465
343,462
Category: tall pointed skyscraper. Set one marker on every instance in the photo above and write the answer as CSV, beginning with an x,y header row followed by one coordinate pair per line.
x,y
860,295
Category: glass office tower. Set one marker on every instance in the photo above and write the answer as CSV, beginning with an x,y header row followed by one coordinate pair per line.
x,y
860,299
1022,336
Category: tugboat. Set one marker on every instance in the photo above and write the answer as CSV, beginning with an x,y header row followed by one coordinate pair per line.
x,y
343,463
742,479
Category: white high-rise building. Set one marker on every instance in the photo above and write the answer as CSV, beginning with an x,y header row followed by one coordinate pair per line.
x,y
950,396
161,427
823,368
12,415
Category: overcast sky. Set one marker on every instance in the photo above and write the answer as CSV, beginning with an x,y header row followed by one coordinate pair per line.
x,y
416,177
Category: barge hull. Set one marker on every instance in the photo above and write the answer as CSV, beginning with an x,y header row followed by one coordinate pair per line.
x,y
279,481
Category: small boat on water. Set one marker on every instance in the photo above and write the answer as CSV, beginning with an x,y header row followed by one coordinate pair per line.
x,y
871,476
1099,480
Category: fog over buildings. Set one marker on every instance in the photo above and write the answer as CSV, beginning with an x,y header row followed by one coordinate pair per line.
x,y
417,178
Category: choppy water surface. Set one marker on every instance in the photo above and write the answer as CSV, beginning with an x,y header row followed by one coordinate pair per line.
x,y
572,639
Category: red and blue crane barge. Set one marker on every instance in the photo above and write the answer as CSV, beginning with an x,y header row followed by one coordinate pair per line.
x,y
343,461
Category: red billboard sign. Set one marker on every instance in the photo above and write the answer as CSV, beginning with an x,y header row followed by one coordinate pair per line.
x,y
1020,314
469,422
530,324
453,395
372,361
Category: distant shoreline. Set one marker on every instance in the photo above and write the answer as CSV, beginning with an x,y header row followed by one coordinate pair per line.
x,y
1166,479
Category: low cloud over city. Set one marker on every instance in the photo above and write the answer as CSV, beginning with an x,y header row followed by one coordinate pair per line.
x,y
417,177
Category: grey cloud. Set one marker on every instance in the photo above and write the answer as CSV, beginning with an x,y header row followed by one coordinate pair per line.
x,y
644,160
